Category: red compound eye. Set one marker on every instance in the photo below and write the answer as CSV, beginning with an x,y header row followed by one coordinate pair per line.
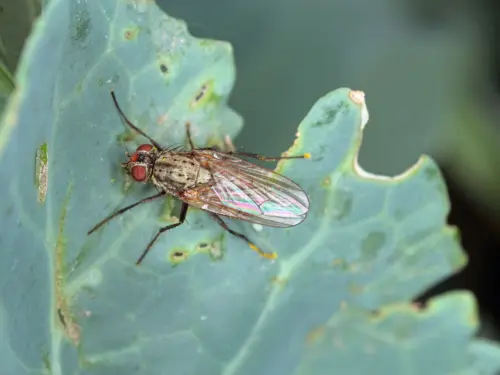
x,y
134,157
145,147
138,173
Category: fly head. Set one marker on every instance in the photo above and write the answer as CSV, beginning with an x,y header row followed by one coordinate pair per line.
x,y
140,164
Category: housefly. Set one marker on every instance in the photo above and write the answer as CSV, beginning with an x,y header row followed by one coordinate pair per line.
x,y
217,182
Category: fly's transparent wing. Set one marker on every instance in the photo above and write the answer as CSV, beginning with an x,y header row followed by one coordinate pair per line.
x,y
248,192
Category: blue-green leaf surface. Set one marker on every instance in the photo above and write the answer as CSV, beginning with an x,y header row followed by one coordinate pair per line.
x,y
433,341
202,301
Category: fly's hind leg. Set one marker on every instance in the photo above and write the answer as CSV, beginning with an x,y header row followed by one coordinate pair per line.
x,y
244,238
269,158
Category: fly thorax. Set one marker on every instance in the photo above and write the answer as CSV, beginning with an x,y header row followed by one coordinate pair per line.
x,y
179,171
204,176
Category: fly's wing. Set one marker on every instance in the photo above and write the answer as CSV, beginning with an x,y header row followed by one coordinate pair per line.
x,y
248,192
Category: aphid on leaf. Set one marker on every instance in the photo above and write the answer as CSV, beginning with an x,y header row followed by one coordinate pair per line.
x,y
218,182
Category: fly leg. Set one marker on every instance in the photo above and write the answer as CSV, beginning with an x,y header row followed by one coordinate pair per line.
x,y
182,218
269,158
188,135
122,210
130,124
190,140
244,238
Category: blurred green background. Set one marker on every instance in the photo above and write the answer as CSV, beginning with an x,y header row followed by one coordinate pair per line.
x,y
430,71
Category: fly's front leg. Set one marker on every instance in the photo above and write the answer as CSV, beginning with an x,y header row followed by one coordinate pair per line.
x,y
124,209
131,125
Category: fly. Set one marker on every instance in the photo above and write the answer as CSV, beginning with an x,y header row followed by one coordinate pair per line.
x,y
217,182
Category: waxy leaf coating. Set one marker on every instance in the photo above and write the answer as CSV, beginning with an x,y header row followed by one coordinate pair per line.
x,y
202,301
